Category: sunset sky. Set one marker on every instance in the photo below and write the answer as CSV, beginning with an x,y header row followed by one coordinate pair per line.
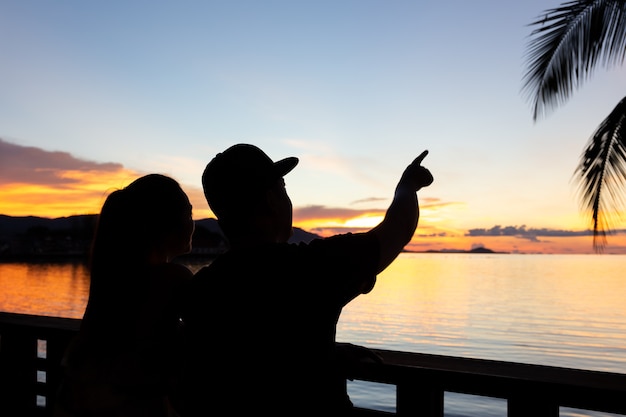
x,y
94,94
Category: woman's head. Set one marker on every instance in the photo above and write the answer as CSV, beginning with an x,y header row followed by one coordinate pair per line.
x,y
148,219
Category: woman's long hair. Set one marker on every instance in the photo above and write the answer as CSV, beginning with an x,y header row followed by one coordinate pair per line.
x,y
134,222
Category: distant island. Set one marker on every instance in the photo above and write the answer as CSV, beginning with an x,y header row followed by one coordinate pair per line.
x,y
478,249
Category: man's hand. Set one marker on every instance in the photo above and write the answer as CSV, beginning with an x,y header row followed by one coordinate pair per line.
x,y
415,175
350,356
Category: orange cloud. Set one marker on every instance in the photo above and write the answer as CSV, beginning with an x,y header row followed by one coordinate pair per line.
x,y
328,221
36,182
54,184
321,219
331,220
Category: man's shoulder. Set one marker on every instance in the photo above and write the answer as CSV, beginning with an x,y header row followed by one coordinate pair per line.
x,y
229,261
344,240
202,272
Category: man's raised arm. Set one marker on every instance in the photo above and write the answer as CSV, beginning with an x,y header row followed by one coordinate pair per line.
x,y
400,222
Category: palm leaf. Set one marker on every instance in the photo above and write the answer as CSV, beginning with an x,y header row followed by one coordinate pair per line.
x,y
602,174
567,45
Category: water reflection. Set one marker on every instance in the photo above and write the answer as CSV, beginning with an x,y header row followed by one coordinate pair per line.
x,y
58,289
44,288
563,310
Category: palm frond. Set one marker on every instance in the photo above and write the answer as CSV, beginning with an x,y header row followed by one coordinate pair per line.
x,y
601,174
567,45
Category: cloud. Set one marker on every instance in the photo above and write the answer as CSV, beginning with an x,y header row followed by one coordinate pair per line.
x,y
532,234
325,158
436,203
38,182
318,212
426,202
369,200
30,165
342,219
431,235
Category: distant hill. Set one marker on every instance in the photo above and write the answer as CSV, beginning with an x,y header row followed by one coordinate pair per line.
x,y
300,235
39,236
11,226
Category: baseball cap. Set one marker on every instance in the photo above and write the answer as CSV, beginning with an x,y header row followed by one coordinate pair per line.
x,y
240,174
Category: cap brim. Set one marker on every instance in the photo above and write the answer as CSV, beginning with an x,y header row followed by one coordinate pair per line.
x,y
284,166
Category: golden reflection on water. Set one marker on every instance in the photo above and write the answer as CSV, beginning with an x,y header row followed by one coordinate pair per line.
x,y
49,289
553,309
563,310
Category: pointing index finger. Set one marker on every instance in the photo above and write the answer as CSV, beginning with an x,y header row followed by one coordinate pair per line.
x,y
420,158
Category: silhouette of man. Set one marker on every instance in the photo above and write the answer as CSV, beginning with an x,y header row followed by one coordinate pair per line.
x,y
261,318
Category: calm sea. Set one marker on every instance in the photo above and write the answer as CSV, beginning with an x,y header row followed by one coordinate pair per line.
x,y
561,310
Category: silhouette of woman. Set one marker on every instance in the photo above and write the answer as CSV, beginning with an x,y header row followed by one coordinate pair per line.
x,y
124,360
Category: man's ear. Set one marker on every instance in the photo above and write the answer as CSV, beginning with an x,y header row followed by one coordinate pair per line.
x,y
271,199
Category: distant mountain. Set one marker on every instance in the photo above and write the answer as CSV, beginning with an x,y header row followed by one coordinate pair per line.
x,y
37,236
300,235
209,224
11,226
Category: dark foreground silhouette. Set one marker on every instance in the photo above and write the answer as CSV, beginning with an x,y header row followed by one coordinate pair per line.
x,y
125,360
261,318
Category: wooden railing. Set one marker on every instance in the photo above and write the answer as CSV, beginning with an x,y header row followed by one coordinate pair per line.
x,y
530,390
31,348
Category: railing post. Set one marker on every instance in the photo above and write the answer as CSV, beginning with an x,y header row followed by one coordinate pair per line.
x,y
532,403
419,400
18,350
51,365
31,348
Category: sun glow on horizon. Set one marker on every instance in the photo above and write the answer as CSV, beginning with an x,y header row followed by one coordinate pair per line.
x,y
366,221
327,225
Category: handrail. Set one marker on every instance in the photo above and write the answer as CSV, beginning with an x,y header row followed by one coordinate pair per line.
x,y
31,348
530,390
